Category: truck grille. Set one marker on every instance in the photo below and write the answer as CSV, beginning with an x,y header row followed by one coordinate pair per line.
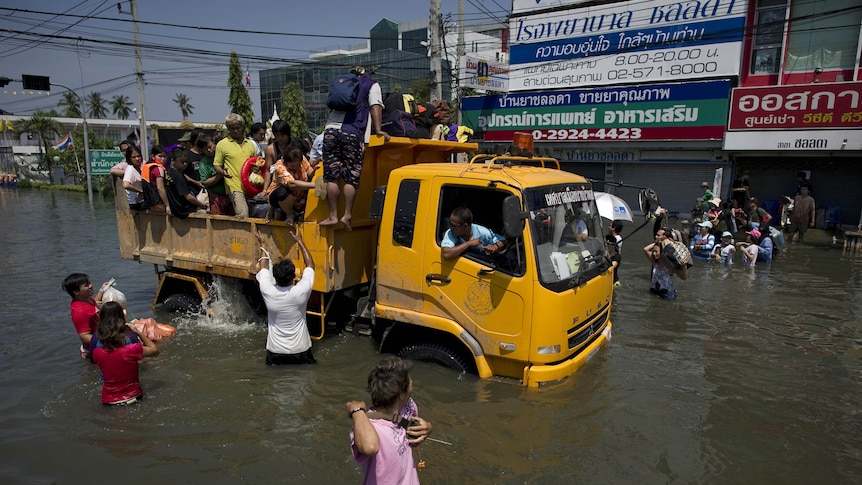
x,y
579,335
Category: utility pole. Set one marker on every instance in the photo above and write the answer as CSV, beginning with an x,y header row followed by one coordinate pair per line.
x,y
139,70
436,50
459,92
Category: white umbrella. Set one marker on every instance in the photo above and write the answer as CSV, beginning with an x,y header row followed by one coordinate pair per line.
x,y
612,207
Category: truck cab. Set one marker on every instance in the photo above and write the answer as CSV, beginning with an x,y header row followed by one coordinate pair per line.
x,y
534,312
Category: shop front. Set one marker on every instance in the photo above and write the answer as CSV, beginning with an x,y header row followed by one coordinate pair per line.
x,y
777,132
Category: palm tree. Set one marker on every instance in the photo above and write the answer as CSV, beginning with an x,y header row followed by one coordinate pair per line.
x,y
96,105
43,126
121,106
183,102
71,105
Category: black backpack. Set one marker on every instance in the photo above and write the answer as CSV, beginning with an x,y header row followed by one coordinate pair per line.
x,y
399,123
426,117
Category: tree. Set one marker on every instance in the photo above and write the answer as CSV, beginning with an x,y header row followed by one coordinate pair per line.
x,y
121,107
421,90
42,126
239,100
71,105
96,106
185,106
292,110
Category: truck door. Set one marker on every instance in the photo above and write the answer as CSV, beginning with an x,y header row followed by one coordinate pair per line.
x,y
485,295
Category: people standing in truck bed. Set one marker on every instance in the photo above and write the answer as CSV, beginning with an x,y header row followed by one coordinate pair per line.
x,y
231,153
180,197
344,140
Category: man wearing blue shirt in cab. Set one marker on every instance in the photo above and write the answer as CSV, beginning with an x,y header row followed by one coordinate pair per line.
x,y
463,235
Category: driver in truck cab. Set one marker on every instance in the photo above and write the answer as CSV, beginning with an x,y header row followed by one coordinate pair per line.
x,y
463,235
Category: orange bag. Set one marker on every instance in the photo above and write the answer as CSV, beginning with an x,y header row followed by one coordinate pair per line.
x,y
153,329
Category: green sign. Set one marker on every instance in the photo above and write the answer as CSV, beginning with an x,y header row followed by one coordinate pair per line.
x,y
101,161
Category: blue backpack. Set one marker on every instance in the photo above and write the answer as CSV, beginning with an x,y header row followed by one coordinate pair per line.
x,y
343,92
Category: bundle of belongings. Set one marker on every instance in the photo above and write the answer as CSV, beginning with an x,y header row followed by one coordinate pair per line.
x,y
402,116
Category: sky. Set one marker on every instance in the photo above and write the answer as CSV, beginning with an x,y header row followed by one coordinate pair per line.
x,y
88,45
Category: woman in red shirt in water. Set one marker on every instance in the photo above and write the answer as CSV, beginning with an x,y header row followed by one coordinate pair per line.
x,y
118,356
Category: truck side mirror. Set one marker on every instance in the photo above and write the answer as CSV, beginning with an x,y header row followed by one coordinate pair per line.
x,y
377,200
513,217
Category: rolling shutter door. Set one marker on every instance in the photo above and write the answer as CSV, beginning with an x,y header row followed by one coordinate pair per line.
x,y
677,184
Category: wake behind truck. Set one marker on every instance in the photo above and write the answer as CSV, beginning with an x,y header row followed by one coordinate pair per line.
x,y
534,312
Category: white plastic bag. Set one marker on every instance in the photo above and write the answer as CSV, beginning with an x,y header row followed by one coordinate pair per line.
x,y
113,294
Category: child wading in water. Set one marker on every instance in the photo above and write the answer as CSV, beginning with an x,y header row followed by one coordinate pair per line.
x,y
118,356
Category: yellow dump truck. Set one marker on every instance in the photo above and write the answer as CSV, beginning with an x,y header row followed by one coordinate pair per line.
x,y
535,312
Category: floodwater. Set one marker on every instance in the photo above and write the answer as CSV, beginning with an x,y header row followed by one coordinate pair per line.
x,y
750,377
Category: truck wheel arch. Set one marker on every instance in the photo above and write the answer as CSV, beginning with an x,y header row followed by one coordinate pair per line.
x,y
436,354
182,303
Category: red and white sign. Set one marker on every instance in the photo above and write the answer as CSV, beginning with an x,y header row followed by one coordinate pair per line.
x,y
805,107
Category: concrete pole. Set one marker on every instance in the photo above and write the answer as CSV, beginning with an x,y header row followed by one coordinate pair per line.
x,y
139,70
459,92
436,50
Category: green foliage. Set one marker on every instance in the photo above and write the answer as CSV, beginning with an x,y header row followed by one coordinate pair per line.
x,y
121,106
33,184
185,105
293,111
44,127
239,100
71,105
96,106
73,158
421,90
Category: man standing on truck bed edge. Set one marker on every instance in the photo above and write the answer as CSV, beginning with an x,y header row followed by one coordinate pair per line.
x,y
287,340
230,155
344,140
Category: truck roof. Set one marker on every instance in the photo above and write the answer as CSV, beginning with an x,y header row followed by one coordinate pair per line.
x,y
516,175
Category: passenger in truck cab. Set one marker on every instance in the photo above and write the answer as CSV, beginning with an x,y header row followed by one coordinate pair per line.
x,y
464,235
576,227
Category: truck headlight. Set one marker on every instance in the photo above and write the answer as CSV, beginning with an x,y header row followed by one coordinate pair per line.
x,y
550,349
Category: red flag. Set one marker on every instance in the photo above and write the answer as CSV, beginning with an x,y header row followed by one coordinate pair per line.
x,y
247,78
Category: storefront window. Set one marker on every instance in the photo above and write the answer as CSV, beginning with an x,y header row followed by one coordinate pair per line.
x,y
823,34
768,36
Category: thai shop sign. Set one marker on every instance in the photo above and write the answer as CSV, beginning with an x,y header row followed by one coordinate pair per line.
x,y
806,107
624,42
794,140
101,161
685,111
480,73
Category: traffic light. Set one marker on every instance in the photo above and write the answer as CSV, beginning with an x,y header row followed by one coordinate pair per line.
x,y
36,83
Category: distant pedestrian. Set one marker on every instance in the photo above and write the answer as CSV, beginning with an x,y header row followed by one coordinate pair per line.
x,y
802,216
663,270
612,249
706,196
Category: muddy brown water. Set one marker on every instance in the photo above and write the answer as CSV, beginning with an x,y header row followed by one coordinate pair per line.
x,y
750,377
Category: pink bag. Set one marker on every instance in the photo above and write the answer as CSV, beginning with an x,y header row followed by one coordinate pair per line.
x,y
153,329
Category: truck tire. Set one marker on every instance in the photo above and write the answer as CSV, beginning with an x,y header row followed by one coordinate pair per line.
x,y
435,353
182,303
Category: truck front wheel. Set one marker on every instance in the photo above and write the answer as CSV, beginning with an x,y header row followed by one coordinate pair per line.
x,y
435,353
182,303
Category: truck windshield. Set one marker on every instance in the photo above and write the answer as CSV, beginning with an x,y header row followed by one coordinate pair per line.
x,y
567,233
